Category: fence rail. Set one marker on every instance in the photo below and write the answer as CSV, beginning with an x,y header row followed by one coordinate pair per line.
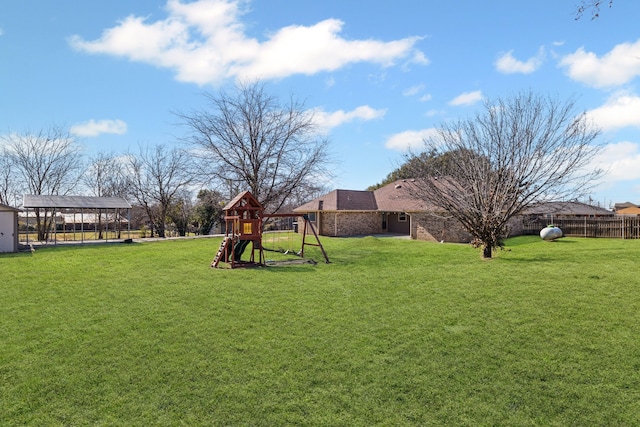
x,y
618,227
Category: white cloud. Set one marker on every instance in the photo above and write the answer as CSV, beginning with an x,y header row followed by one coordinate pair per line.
x,y
204,42
330,120
426,97
508,64
410,139
413,90
467,98
97,127
621,110
615,68
419,58
330,82
620,161
1,32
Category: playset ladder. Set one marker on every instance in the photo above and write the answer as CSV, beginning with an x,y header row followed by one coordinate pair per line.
x,y
224,245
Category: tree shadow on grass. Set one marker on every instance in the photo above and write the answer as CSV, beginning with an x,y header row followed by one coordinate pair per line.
x,y
289,269
533,240
560,241
13,254
530,259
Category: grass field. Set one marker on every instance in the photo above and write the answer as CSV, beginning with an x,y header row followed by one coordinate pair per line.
x,y
391,333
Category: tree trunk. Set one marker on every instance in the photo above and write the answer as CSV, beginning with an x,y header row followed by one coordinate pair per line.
x,y
43,222
161,230
486,251
99,225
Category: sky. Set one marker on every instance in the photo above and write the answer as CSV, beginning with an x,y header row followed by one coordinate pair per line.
x,y
378,75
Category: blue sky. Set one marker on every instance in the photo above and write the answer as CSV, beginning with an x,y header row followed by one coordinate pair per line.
x,y
379,75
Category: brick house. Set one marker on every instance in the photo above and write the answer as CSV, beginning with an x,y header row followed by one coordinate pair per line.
x,y
626,208
631,210
390,209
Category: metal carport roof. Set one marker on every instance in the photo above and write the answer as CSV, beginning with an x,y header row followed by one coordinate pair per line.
x,y
78,202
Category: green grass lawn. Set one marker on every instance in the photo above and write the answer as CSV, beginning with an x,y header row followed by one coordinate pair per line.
x,y
391,333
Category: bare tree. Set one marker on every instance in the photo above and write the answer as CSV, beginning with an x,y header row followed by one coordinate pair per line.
x,y
48,163
105,177
516,152
253,141
158,175
8,183
593,6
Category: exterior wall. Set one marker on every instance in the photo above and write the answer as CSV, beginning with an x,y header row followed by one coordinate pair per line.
x,y
516,226
342,224
424,226
437,228
8,231
394,225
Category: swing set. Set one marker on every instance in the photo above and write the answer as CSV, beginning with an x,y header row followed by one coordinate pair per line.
x,y
244,219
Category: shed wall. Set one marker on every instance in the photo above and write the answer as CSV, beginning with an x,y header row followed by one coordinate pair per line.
x,y
8,231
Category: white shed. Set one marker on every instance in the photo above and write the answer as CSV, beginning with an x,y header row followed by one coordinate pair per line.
x,y
8,228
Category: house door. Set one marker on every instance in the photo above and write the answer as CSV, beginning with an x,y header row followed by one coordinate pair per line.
x,y
7,236
399,223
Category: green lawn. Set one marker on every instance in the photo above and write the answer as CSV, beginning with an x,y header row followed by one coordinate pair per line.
x,y
391,333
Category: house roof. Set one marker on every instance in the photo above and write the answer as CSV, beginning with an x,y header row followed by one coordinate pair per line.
x,y
7,208
400,196
341,200
624,205
394,197
79,202
631,210
243,199
568,208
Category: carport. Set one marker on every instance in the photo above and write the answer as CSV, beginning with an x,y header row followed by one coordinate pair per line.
x,y
86,209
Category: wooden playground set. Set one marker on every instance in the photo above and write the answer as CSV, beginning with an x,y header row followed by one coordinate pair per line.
x,y
245,220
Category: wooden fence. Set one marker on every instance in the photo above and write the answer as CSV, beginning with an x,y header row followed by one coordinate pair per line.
x,y
616,227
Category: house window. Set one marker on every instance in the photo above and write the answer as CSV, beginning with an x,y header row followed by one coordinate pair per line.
x,y
402,217
312,216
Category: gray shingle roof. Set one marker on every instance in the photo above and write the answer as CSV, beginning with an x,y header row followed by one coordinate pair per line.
x,y
79,202
7,208
568,208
